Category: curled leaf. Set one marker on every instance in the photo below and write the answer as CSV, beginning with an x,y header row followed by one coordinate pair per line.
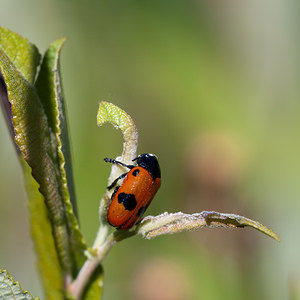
x,y
111,113
151,227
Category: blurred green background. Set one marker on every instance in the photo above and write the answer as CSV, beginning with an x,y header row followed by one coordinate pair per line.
x,y
213,87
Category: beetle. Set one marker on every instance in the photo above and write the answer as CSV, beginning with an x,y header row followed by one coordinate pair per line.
x,y
130,200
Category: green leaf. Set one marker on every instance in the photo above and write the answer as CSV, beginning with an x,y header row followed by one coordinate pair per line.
x,y
111,113
48,262
10,289
49,88
24,56
41,230
21,53
151,227
40,132
39,148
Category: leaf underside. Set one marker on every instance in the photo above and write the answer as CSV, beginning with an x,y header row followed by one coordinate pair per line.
x,y
151,227
10,289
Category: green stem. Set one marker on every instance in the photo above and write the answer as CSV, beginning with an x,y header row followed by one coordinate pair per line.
x,y
101,247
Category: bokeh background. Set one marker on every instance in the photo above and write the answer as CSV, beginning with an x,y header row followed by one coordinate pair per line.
x,y
213,87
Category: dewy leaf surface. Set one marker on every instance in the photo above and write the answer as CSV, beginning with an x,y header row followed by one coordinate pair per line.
x,y
10,289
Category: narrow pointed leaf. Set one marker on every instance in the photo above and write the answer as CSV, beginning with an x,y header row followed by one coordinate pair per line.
x,y
41,230
49,88
39,148
38,129
51,274
10,289
151,227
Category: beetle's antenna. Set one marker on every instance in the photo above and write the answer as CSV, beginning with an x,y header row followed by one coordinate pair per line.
x,y
113,161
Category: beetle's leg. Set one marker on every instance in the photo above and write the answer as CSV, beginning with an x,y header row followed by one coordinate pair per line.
x,y
116,180
115,191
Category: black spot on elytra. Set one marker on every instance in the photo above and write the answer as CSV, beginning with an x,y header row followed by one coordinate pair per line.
x,y
135,172
128,201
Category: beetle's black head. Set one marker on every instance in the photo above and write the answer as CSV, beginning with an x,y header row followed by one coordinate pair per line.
x,y
150,163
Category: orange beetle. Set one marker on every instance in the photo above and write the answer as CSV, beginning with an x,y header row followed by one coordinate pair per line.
x,y
130,200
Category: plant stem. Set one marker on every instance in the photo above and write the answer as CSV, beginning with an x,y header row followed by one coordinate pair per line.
x,y
77,287
101,247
